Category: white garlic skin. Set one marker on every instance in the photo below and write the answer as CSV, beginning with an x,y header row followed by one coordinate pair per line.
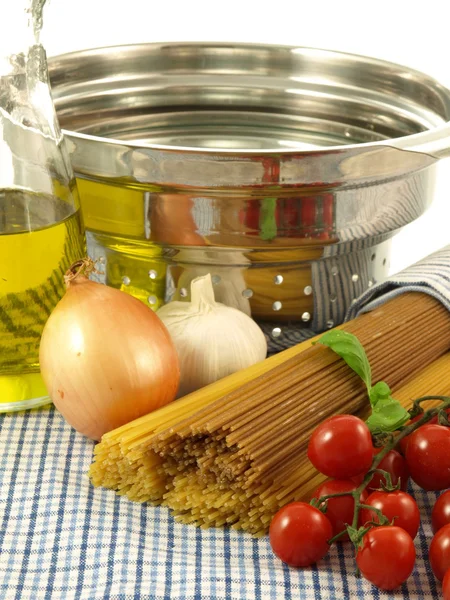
x,y
212,340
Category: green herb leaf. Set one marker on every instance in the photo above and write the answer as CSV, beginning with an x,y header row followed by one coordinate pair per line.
x,y
387,414
380,391
348,347
267,219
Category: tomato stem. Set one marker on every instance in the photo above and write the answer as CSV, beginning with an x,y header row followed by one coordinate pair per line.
x,y
387,485
427,416
356,534
382,520
336,537
317,502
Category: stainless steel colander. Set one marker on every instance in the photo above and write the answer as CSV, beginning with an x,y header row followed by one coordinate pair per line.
x,y
282,171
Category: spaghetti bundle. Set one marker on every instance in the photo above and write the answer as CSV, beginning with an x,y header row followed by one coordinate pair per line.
x,y
235,452
125,450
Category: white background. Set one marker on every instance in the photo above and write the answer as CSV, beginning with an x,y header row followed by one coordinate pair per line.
x,y
415,33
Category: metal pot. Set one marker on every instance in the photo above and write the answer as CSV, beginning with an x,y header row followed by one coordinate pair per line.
x,y
282,171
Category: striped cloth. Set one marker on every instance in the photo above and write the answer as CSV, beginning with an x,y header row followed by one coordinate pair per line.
x,y
430,275
62,539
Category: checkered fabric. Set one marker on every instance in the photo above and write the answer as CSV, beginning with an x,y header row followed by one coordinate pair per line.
x,y
430,275
60,538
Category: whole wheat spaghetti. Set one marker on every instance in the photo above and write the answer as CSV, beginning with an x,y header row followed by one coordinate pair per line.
x,y
235,452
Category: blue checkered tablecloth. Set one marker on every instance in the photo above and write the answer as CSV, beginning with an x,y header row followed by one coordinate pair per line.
x,y
62,539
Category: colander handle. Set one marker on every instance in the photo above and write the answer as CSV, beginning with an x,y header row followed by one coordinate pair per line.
x,y
435,143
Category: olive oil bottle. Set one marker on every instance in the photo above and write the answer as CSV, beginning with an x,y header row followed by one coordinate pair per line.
x,y
32,266
41,230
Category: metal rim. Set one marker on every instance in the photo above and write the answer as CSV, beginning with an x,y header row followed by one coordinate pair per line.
x,y
419,142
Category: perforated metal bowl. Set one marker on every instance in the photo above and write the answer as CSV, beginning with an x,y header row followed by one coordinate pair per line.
x,y
282,171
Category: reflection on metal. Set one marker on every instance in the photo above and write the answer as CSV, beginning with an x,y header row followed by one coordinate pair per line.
x,y
261,165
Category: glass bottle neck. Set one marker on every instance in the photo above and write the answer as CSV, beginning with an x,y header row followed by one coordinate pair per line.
x,y
33,155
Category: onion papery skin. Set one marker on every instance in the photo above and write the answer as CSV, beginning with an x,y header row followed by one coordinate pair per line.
x,y
106,358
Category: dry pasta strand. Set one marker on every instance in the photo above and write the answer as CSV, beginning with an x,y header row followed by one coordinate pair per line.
x,y
234,452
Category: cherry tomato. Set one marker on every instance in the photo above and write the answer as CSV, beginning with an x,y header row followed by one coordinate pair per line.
x,y
441,511
341,447
397,504
446,586
339,510
439,554
428,457
299,534
403,444
386,557
396,466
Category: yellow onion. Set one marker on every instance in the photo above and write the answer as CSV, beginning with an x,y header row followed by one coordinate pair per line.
x,y
105,357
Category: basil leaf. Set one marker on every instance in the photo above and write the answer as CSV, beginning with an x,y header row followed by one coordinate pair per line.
x,y
387,415
379,391
348,347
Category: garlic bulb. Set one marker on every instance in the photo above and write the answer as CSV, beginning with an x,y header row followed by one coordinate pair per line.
x,y
212,340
